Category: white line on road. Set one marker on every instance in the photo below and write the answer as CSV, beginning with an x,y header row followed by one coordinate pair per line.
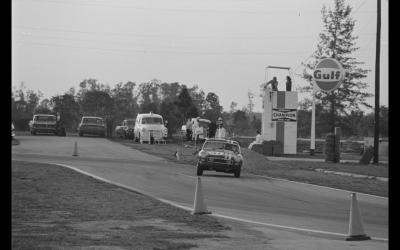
x,y
213,214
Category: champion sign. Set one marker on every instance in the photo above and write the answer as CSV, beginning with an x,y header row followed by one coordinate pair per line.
x,y
328,74
287,115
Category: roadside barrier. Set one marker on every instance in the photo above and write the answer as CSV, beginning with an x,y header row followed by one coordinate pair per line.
x,y
199,206
356,228
75,149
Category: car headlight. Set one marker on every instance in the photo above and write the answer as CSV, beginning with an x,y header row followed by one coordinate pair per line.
x,y
203,154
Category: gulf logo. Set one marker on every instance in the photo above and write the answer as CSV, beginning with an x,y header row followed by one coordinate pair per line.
x,y
328,74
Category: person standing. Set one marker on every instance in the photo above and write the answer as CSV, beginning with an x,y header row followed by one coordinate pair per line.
x,y
288,83
221,132
194,128
274,84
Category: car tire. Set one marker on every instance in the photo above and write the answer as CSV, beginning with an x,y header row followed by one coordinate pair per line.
x,y
33,132
199,170
80,134
237,173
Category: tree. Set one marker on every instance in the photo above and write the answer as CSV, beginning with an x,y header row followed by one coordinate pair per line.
x,y
233,107
94,98
213,109
125,101
149,96
44,107
68,108
185,105
198,98
337,41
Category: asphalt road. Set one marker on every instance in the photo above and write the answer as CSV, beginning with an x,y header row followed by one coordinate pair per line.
x,y
249,197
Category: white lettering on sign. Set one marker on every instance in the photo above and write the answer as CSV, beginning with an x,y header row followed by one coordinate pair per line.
x,y
288,115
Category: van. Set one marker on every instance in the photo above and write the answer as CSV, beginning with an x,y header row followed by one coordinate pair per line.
x,y
149,127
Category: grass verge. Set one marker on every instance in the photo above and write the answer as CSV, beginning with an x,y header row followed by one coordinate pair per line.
x,y
301,171
58,208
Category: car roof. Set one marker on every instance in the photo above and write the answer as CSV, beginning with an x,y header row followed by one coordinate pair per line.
x,y
43,115
149,115
92,117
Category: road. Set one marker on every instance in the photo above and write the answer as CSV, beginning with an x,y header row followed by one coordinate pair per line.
x,y
264,200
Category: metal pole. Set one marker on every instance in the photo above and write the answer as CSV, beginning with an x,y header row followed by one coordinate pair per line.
x,y
312,142
377,67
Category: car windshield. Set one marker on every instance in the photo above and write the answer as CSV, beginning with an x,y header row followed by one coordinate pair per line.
x,y
151,120
93,120
45,118
213,145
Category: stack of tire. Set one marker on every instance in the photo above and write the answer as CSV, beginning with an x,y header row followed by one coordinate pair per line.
x,y
332,146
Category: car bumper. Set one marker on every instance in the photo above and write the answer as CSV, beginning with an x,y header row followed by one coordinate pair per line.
x,y
44,130
219,167
95,131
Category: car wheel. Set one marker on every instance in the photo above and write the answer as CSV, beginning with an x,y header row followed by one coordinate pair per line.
x,y
33,132
199,170
80,134
237,173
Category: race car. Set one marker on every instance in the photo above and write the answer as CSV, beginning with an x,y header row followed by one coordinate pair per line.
x,y
220,155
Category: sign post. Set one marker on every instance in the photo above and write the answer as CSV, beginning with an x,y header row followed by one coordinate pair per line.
x,y
327,76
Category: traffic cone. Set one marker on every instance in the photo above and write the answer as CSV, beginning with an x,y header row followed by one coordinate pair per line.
x,y
199,206
177,155
75,149
356,229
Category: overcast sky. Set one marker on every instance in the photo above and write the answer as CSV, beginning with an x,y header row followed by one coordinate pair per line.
x,y
223,46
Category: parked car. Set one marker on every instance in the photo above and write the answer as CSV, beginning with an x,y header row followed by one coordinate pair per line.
x,y
92,125
12,131
149,127
220,155
43,123
125,130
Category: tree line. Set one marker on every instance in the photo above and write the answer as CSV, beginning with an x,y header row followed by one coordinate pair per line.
x,y
175,102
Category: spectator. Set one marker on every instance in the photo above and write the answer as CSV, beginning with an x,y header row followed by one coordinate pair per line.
x,y
274,84
221,132
258,140
288,83
194,128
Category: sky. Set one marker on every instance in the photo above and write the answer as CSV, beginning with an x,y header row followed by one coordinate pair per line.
x,y
222,46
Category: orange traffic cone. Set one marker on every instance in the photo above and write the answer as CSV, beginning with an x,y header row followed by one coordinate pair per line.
x,y
199,206
356,229
75,149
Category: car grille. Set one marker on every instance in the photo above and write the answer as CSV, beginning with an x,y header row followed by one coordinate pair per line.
x,y
44,126
218,160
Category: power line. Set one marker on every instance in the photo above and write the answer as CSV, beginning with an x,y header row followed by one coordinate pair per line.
x,y
151,51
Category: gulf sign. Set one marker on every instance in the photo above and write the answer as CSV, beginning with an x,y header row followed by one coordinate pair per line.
x,y
286,115
328,74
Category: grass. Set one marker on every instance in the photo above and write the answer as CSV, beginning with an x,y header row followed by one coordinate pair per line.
x,y
301,171
55,207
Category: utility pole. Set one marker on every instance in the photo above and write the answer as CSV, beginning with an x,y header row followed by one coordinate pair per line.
x,y
377,76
